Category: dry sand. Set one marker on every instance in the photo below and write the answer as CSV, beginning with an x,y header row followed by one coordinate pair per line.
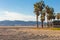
x,y
28,34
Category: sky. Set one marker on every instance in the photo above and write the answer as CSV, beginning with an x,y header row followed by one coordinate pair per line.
x,y
23,9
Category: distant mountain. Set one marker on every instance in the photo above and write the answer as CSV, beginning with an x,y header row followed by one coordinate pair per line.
x,y
18,23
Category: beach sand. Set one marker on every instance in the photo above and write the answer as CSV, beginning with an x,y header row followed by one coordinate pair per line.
x,y
28,34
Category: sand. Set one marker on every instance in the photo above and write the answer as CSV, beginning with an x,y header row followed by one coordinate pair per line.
x,y
28,34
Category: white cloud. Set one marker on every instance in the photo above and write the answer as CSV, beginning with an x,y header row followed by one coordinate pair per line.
x,y
6,15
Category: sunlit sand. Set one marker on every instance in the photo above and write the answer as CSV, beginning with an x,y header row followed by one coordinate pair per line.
x,y
22,33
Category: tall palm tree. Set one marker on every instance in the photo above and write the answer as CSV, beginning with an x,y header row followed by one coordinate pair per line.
x,y
38,7
52,15
36,10
41,7
43,17
50,12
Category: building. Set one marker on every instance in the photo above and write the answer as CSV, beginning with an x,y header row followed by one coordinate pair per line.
x,y
56,23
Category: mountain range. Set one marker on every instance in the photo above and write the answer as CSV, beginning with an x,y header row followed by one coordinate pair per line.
x,y
18,23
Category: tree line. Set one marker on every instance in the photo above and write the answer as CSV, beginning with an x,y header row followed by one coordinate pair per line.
x,y
44,10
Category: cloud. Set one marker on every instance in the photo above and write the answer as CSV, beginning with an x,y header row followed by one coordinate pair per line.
x,y
6,15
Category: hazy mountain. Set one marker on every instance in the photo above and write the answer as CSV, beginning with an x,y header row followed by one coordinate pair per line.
x,y
18,23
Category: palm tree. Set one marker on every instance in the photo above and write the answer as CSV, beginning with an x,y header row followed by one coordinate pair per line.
x,y
36,10
58,16
43,17
38,7
50,12
41,7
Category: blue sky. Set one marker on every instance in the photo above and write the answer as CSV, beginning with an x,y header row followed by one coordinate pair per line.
x,y
23,9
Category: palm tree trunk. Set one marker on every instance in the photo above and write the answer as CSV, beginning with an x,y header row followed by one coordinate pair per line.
x,y
37,20
47,23
42,24
51,23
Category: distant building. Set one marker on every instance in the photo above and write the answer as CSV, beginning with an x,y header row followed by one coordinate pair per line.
x,y
56,23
